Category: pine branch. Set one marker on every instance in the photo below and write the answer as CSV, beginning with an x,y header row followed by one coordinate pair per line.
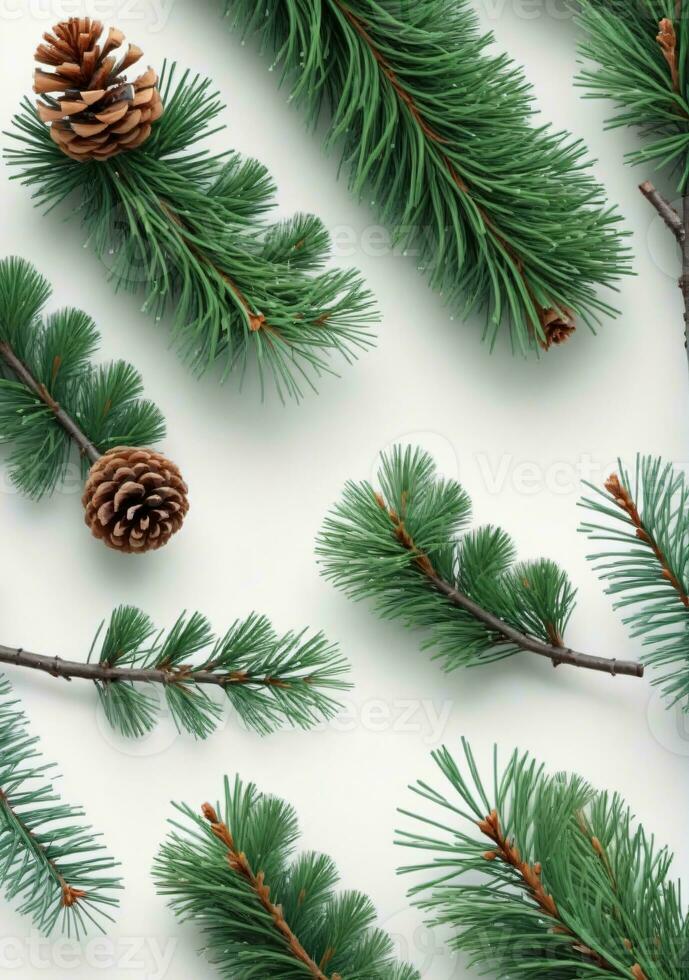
x,y
189,231
422,112
269,680
400,548
263,912
49,861
51,396
641,56
646,566
570,885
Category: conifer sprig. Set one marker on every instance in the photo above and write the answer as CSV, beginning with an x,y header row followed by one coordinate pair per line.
x,y
644,520
265,913
52,397
188,231
423,113
640,52
50,862
269,680
544,876
401,547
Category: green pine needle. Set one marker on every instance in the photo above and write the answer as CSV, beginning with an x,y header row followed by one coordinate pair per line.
x,y
105,401
188,231
543,876
51,864
265,913
438,132
646,564
364,554
630,70
269,680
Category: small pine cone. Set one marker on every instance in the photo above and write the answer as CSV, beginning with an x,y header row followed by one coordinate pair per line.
x,y
135,499
93,112
557,327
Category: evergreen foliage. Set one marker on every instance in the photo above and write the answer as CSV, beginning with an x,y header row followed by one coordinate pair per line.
x,y
51,864
439,132
188,230
409,548
644,519
104,401
264,912
631,70
269,680
544,876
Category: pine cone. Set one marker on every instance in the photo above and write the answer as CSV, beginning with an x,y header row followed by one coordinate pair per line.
x,y
135,499
557,327
98,113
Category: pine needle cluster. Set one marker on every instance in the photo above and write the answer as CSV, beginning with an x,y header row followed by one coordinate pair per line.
x,y
643,74
263,912
51,863
644,520
504,215
544,876
48,380
269,680
409,548
187,229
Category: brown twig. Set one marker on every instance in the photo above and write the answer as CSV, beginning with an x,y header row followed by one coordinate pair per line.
x,y
531,875
556,325
664,209
625,502
554,652
239,864
105,673
679,226
85,445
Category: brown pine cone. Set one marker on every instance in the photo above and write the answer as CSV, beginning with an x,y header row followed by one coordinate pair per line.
x,y
135,499
557,327
97,113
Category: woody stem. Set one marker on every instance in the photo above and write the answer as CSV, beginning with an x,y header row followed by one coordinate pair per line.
x,y
104,673
86,447
556,653
239,864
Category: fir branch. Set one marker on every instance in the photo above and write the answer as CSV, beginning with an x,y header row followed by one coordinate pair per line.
x,y
50,862
188,230
51,395
422,111
645,518
570,885
641,55
231,869
400,547
269,680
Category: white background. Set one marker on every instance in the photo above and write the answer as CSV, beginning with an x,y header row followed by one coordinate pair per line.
x,y
262,477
